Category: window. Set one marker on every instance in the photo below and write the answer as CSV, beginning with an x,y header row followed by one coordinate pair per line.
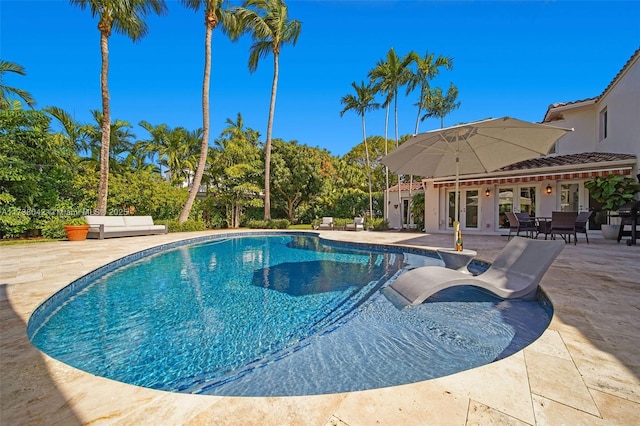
x,y
603,124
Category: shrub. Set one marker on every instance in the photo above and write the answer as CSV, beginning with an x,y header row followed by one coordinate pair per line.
x,y
271,224
377,224
13,223
75,221
190,225
54,229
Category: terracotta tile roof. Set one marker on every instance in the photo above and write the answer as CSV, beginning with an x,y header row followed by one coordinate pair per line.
x,y
559,104
568,160
417,186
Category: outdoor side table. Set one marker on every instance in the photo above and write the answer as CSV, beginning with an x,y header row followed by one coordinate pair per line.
x,y
457,259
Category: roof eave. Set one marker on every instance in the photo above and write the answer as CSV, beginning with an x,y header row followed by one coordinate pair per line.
x,y
542,170
551,111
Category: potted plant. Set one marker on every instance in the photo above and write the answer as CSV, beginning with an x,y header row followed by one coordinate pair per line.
x,y
76,229
611,192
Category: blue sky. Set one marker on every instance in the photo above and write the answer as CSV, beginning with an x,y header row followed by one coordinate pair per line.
x,y
511,58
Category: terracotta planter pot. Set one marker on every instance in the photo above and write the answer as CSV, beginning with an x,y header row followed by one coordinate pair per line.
x,y
76,232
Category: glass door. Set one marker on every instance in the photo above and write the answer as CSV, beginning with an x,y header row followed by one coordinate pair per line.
x,y
468,208
517,199
505,204
571,197
469,213
527,200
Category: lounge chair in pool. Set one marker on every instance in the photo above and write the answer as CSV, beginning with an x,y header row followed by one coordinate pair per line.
x,y
327,223
357,225
515,273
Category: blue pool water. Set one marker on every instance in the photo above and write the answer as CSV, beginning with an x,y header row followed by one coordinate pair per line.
x,y
267,315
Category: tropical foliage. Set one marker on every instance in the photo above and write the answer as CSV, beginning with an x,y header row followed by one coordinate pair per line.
x,y
48,176
124,17
362,102
612,191
7,91
214,14
270,27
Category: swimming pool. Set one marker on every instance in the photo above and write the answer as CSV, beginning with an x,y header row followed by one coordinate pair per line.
x,y
273,314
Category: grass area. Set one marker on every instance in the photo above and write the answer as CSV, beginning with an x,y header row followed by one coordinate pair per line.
x,y
301,226
12,242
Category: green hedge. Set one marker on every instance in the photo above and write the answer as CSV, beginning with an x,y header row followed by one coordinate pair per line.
x,y
270,224
189,226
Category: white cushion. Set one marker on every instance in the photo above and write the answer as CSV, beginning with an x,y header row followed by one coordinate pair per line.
x,y
105,220
138,221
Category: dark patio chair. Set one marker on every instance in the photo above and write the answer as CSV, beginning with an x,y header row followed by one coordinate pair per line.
x,y
564,224
581,224
521,222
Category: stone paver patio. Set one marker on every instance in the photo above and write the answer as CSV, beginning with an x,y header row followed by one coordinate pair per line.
x,y
584,369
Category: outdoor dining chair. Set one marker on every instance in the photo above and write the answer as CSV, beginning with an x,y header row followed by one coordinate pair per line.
x,y
582,222
564,224
521,222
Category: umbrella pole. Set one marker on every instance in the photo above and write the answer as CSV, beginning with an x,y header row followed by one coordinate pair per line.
x,y
456,223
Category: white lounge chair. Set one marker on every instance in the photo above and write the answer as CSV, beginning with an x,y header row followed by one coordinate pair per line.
x,y
515,273
327,223
357,225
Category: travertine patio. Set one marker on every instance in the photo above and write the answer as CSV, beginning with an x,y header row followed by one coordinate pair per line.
x,y
585,369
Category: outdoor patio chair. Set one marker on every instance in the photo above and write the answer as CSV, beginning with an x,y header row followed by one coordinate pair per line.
x,y
521,222
327,223
582,222
357,225
515,273
564,224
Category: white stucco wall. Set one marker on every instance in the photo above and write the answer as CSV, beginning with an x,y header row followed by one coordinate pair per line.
x,y
393,212
623,107
584,135
622,103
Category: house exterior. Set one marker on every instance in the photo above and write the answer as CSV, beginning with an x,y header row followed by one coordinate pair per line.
x,y
606,139
398,208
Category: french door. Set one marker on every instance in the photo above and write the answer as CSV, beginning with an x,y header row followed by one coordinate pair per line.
x,y
517,199
468,208
571,197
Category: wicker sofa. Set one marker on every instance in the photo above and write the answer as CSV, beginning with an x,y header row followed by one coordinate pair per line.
x,y
122,226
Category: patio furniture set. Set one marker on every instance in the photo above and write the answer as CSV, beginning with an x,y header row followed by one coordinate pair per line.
x,y
564,224
327,223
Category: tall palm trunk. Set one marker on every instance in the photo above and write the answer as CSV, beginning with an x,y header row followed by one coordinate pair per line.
x,y
386,169
204,146
422,92
366,151
103,189
267,146
395,113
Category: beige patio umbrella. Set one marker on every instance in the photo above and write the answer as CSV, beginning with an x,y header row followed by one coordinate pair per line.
x,y
472,148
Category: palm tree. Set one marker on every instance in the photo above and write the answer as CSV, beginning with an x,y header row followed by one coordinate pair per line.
x,y
268,21
427,68
5,91
237,168
125,17
73,134
437,105
181,154
152,147
214,14
120,142
362,102
388,76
